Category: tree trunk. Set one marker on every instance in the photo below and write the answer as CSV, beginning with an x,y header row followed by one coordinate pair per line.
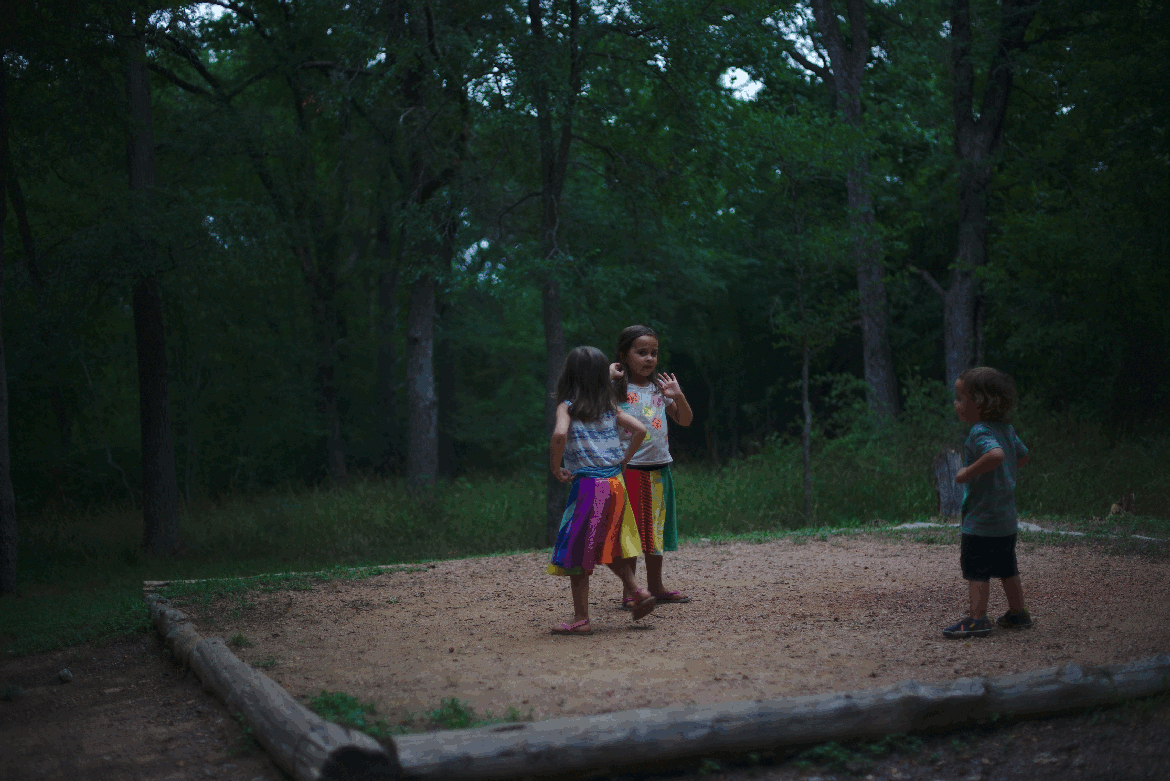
x,y
160,491
8,531
555,351
446,382
326,323
946,465
388,255
422,453
806,430
554,162
848,67
976,142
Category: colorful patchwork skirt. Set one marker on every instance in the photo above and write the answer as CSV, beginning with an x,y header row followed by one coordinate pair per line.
x,y
597,527
652,498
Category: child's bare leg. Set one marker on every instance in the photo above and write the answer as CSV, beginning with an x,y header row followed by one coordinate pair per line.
x,y
1014,591
654,575
579,584
629,593
978,590
624,569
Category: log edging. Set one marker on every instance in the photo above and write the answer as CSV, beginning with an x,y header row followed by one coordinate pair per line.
x,y
311,748
298,740
654,738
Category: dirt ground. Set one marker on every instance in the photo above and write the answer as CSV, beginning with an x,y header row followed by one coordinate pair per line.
x,y
768,620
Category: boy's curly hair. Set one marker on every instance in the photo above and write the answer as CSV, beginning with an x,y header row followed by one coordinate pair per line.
x,y
993,391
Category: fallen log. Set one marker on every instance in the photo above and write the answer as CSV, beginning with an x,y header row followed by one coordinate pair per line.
x,y
302,743
655,738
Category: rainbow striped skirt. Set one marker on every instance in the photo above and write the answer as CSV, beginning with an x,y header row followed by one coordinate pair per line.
x,y
597,528
652,499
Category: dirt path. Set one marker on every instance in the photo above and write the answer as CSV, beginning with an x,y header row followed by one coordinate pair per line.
x,y
767,620
128,714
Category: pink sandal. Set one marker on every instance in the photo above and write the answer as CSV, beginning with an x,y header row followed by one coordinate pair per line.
x,y
576,628
642,607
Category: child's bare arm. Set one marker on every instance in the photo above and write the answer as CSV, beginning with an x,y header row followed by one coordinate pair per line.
x,y
635,427
556,446
680,411
987,462
1020,462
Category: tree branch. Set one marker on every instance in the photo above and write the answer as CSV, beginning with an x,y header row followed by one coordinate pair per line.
x,y
825,73
248,82
251,17
329,65
929,279
182,84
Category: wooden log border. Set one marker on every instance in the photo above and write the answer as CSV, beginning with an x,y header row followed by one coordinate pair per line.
x,y
310,748
656,738
302,743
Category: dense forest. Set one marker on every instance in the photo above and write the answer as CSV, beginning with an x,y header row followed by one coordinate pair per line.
x,y
254,242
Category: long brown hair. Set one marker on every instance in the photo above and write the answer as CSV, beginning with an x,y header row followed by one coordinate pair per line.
x,y
993,391
626,340
585,383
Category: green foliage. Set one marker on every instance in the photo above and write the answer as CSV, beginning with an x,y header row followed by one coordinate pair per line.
x,y
349,711
238,640
857,758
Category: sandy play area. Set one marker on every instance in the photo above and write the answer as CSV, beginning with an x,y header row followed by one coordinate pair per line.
x,y
767,620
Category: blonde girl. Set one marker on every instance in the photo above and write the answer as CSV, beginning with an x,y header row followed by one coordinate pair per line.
x,y
598,526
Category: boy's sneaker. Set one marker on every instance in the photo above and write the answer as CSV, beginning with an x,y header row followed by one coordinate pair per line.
x,y
1015,619
969,627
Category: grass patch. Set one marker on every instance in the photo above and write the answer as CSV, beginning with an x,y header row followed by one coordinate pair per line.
x,y
452,713
239,641
856,758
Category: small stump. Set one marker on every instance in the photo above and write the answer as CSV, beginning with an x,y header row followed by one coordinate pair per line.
x,y
946,465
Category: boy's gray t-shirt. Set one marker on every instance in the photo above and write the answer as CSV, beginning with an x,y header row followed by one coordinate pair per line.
x,y
989,499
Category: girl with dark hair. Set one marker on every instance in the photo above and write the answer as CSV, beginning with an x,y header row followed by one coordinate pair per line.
x,y
650,397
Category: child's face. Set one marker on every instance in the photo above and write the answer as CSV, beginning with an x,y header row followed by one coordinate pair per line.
x,y
642,358
965,406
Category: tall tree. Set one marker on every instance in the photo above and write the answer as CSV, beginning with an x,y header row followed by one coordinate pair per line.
x,y
978,136
555,139
8,530
288,50
847,61
160,490
431,128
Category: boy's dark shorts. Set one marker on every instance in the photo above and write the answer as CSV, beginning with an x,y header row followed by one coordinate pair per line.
x,y
984,558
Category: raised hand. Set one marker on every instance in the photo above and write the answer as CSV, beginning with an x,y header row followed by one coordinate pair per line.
x,y
669,386
615,371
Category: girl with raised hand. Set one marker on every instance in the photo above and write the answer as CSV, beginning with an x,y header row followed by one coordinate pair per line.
x,y
598,526
650,397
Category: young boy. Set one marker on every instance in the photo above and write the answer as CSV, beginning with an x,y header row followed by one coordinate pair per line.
x,y
984,397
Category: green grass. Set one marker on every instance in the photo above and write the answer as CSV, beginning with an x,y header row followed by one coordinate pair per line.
x,y
452,713
80,571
